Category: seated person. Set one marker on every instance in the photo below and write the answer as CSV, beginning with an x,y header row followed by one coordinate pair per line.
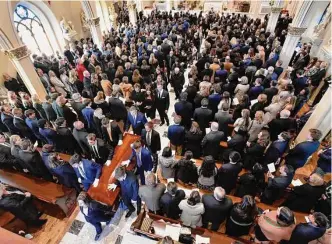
x,y
167,163
228,172
169,202
217,208
88,172
277,185
94,212
206,174
275,225
304,197
186,169
151,193
192,210
20,204
242,217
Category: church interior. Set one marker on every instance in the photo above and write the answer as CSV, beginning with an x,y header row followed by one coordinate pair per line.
x,y
259,63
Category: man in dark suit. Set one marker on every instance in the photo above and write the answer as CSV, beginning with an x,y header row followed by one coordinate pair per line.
x,y
143,160
278,125
276,149
136,120
165,47
184,109
177,81
300,82
191,91
215,98
162,104
128,183
7,119
80,135
49,111
151,140
111,132
211,141
228,173
223,118
316,78
236,143
272,91
20,124
94,212
7,160
77,105
217,208
118,110
307,232
33,160
276,185
160,55
176,135
299,155
203,115
170,60
201,63
32,122
88,172
101,152
169,202
65,140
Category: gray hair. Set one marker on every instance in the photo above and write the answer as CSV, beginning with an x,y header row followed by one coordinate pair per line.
x,y
119,172
285,114
219,193
151,179
214,126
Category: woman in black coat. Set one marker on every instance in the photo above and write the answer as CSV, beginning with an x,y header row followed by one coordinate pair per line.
x,y
304,197
138,97
193,139
242,217
252,182
186,169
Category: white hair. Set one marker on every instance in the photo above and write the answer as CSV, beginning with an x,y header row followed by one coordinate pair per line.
x,y
285,114
214,126
219,193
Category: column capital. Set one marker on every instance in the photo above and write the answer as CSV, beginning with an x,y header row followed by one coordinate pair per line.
x,y
131,6
276,9
296,31
94,21
18,52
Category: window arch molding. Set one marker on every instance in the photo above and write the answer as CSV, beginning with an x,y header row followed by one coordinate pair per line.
x,y
48,20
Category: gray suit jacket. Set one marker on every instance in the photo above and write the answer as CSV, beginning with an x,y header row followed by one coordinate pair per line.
x,y
210,143
151,195
223,118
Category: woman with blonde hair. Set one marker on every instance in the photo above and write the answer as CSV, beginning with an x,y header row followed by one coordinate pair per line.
x,y
242,88
74,82
100,102
137,78
256,126
243,122
304,197
273,109
153,62
58,85
119,72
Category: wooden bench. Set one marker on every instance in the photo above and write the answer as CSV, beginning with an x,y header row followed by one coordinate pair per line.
x,y
49,192
122,153
8,237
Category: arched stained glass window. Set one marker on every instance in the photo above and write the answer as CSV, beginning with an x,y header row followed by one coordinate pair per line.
x,y
31,31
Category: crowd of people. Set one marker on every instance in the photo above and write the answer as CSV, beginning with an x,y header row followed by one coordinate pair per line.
x,y
98,94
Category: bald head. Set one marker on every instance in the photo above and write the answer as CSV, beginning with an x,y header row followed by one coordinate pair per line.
x,y
214,126
78,125
219,193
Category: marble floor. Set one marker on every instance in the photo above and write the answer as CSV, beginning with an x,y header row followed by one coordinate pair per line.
x,y
83,233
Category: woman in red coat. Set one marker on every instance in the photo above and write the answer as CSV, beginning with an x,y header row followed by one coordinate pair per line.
x,y
80,69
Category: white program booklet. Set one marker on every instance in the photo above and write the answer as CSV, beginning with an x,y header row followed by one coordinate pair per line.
x,y
202,240
271,167
297,182
173,232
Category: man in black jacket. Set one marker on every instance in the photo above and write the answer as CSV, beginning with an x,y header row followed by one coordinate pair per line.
x,y
177,81
278,125
49,111
7,160
100,151
80,135
203,115
77,105
7,119
211,141
217,208
20,124
272,91
162,104
184,109
33,160
191,91
169,202
118,110
66,141
151,140
224,118
111,131
20,204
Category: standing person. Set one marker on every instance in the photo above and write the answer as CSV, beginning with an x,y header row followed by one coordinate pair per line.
x,y
177,80
94,212
80,135
169,202
65,139
192,210
49,111
203,115
128,183
20,124
47,132
206,174
211,141
193,139
299,155
276,225
111,132
162,104
223,118
184,109
101,152
88,172
176,135
242,217
167,163
143,160
186,169
151,193
87,113
118,110
151,140
56,82
217,207
136,120
284,123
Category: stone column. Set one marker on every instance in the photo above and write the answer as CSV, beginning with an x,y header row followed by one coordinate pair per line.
x,y
320,119
273,19
293,37
95,30
20,58
168,5
132,12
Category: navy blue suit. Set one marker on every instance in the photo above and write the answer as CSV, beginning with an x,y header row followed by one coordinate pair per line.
x,y
298,156
32,124
137,124
129,191
88,116
274,152
97,213
176,134
92,171
49,135
144,163
66,176
304,233
214,100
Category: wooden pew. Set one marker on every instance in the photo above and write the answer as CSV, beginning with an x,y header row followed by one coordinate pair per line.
x,y
122,153
49,192
8,237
